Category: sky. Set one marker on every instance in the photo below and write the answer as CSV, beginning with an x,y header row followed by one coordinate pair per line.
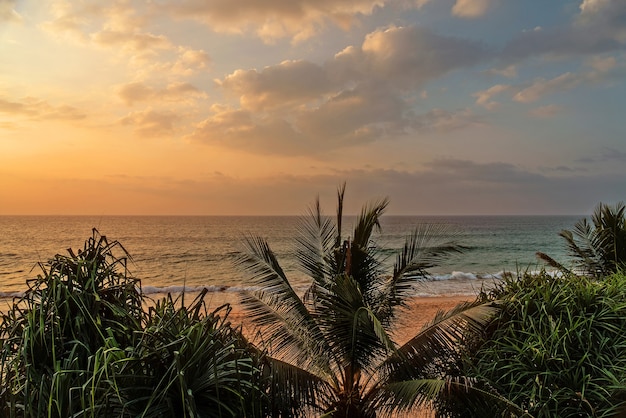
x,y
248,107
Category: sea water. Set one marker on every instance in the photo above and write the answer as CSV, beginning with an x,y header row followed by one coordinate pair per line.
x,y
172,253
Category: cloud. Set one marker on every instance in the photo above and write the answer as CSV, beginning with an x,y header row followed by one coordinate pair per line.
x,y
542,87
288,83
598,69
606,16
484,97
271,20
134,92
599,27
151,123
131,41
37,109
356,116
115,24
609,154
603,64
471,8
353,118
401,57
407,56
362,94
440,120
190,60
7,11
508,71
547,111
248,131
441,187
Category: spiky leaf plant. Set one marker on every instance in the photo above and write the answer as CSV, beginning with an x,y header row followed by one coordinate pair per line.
x,y
597,248
333,347
556,349
80,343
189,362
78,304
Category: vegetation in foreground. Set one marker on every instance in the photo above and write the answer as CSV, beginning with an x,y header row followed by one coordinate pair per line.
x,y
557,348
598,249
333,347
79,343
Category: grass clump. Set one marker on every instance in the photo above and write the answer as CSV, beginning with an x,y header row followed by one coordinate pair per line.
x,y
80,343
557,348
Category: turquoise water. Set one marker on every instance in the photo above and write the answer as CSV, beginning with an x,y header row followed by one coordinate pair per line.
x,y
170,253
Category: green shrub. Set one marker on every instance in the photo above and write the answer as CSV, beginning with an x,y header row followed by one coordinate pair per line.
x,y
79,343
191,363
556,349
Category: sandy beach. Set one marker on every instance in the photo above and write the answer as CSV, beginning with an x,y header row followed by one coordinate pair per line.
x,y
418,312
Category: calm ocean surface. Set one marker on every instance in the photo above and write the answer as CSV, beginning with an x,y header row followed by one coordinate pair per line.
x,y
172,253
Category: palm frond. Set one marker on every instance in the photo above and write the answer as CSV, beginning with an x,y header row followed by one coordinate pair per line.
x,y
552,262
260,262
286,336
360,254
426,247
316,234
346,321
277,308
581,244
368,220
341,191
409,394
610,227
597,248
294,390
438,340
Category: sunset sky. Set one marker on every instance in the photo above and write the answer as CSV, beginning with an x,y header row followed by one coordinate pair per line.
x,y
242,107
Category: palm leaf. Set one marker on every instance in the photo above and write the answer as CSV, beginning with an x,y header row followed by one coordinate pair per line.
x,y
408,394
296,390
361,261
368,220
583,245
346,322
316,234
610,223
278,309
427,246
341,191
284,335
553,263
438,340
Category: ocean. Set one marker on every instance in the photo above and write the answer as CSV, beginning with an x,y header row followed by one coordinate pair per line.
x,y
172,253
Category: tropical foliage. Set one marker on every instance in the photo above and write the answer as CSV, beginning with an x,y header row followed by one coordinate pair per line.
x,y
332,346
80,343
597,248
556,349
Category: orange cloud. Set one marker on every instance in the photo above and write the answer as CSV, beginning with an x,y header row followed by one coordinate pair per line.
x,y
35,108
271,20
151,123
134,92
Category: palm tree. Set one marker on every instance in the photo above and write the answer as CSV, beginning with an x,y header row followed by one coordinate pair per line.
x,y
331,347
598,248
